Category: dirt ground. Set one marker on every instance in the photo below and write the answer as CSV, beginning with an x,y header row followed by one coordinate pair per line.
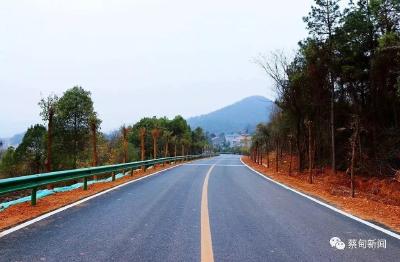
x,y
376,200
20,213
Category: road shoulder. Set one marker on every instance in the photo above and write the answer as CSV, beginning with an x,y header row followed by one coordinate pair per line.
x,y
22,215
342,205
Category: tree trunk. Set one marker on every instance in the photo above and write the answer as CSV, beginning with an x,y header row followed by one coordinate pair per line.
x,y
310,153
332,122
290,156
142,147
166,149
257,154
154,147
49,141
175,149
75,142
353,149
125,143
94,145
299,146
354,139
142,133
360,160
277,156
332,86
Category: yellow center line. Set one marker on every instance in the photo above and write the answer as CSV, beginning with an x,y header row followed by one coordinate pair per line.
x,y
207,254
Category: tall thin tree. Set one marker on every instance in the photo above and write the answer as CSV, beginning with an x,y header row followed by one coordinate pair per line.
x,y
155,133
48,106
322,22
142,134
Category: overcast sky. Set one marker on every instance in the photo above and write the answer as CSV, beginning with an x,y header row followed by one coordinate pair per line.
x,y
139,57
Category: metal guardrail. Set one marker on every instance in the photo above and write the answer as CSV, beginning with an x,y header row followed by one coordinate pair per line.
x,y
33,182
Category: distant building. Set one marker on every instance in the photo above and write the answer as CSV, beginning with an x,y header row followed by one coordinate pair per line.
x,y
246,141
234,140
218,141
238,140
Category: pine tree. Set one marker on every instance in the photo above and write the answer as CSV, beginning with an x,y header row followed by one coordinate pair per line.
x,y
322,22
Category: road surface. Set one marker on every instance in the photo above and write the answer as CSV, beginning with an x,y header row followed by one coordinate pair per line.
x,y
211,210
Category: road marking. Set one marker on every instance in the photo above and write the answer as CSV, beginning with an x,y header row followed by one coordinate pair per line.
x,y
207,254
209,165
383,230
30,222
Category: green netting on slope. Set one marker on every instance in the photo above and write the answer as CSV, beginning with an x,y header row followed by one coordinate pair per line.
x,y
47,192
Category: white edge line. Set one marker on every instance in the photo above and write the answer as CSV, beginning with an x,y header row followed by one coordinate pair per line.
x,y
30,222
212,165
383,230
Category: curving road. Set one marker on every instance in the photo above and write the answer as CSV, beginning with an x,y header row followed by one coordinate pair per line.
x,y
212,209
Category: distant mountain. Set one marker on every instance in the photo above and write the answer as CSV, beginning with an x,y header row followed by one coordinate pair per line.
x,y
14,141
240,116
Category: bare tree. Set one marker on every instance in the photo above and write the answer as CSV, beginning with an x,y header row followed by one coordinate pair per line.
x,y
277,155
309,125
124,131
174,140
276,65
155,133
353,141
290,139
168,137
93,129
142,134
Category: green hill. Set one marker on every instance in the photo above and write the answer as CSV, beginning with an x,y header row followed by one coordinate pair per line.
x,y
240,116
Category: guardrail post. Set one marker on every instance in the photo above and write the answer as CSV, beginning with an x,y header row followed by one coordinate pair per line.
x,y
33,196
132,172
113,176
85,180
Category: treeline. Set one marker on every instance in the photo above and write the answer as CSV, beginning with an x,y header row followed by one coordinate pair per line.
x,y
339,96
72,138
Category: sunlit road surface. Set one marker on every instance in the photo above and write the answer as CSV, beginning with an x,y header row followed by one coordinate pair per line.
x,y
208,210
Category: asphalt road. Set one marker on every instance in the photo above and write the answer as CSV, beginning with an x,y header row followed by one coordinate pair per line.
x,y
160,218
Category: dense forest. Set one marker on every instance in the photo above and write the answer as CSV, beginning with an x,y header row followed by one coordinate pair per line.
x,y
339,94
72,138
